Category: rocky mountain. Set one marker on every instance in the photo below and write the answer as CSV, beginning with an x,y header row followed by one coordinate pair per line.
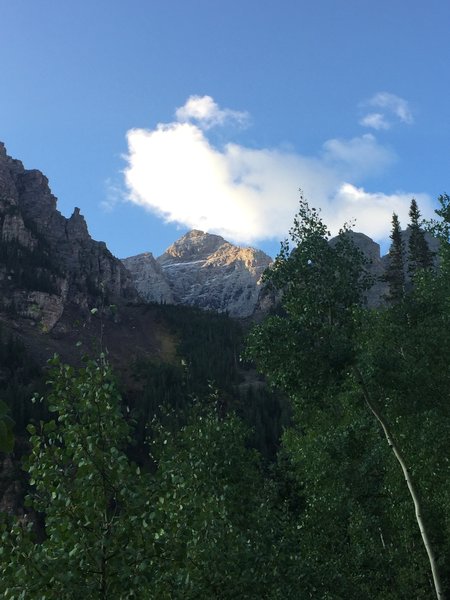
x,y
49,263
206,271
203,270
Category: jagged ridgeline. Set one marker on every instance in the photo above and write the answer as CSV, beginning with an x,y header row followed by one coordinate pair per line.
x,y
47,261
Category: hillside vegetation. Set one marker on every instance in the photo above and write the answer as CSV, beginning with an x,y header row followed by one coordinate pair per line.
x,y
187,478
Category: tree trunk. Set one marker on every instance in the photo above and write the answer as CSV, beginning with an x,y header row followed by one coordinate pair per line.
x,y
409,482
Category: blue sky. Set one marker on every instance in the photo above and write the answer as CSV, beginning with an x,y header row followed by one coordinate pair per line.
x,y
155,117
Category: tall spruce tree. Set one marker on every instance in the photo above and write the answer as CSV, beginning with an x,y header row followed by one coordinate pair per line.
x,y
419,254
395,274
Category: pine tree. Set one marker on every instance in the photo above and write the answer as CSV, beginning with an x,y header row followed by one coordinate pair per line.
x,y
395,274
419,254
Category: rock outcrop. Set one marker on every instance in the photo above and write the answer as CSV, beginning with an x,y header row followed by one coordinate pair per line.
x,y
202,270
149,278
46,260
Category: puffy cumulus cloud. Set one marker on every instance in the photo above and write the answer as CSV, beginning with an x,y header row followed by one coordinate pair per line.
x,y
207,113
248,194
389,107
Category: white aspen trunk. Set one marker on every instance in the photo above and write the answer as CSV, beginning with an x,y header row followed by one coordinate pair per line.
x,y
409,482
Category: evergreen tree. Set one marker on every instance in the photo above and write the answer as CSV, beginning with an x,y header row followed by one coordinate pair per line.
x,y
395,273
419,254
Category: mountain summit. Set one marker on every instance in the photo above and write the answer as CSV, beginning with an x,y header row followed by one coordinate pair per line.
x,y
204,270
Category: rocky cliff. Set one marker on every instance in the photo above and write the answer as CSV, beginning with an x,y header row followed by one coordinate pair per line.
x,y
48,262
149,278
204,270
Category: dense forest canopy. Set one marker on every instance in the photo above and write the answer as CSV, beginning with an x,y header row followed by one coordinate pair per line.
x,y
353,502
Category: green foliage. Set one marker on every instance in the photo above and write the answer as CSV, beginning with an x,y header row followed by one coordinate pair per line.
x,y
208,350
395,272
227,539
20,376
336,472
83,482
321,285
204,525
267,413
419,255
6,429
203,516
210,345
440,228
29,269
403,355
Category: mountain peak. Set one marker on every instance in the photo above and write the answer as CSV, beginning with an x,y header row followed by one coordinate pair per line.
x,y
193,245
203,269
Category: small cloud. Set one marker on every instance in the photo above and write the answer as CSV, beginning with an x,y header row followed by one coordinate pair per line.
x,y
375,120
398,106
392,107
114,195
206,113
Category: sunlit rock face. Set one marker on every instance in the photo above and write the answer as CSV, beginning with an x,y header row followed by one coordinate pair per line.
x,y
46,260
206,271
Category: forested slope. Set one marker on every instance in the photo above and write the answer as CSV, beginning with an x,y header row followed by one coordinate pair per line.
x,y
151,482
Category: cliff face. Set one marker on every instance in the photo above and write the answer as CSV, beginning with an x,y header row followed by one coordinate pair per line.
x,y
202,270
149,278
46,260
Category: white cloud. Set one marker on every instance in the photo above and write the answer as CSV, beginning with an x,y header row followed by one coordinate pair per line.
x,y
248,194
114,195
207,113
391,107
359,156
374,210
375,120
398,106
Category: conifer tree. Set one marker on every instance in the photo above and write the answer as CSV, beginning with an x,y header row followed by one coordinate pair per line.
x,y
419,254
395,274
